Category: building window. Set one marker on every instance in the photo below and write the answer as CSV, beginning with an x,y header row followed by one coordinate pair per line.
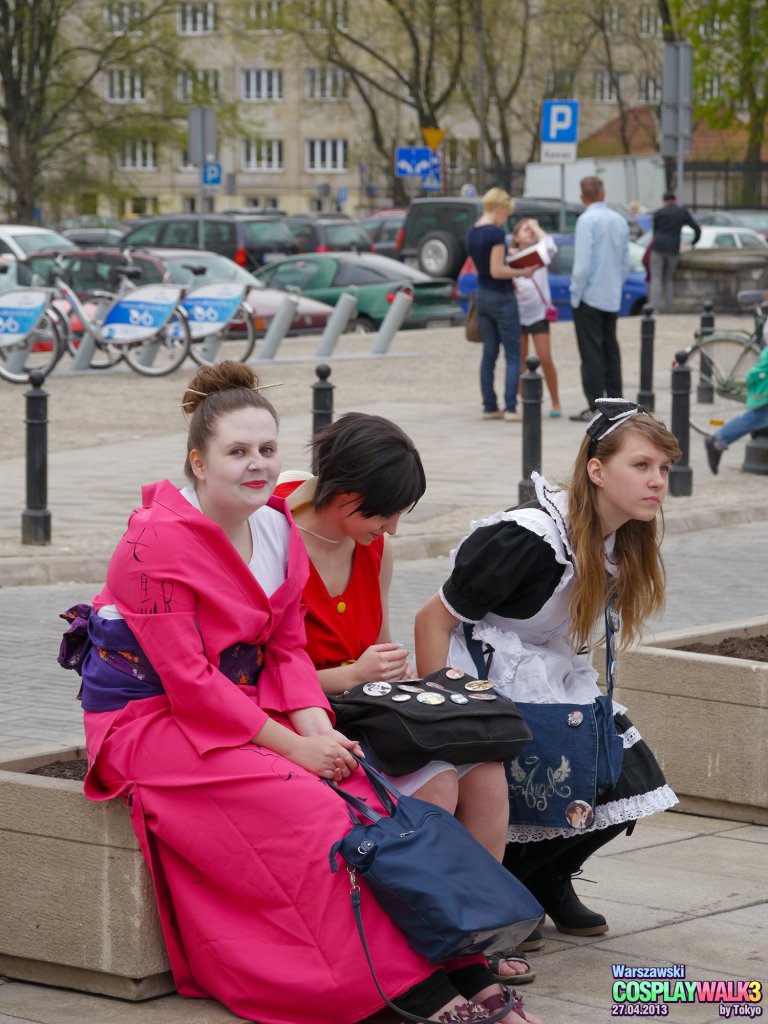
x,y
325,83
613,19
123,16
648,89
138,156
260,84
650,22
185,164
711,27
560,84
710,87
262,155
326,14
262,16
123,86
197,18
326,154
607,87
197,85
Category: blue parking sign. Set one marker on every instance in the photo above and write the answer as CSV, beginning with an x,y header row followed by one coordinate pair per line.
x,y
211,174
560,121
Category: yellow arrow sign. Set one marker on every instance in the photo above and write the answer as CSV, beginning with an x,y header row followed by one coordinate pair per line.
x,y
433,137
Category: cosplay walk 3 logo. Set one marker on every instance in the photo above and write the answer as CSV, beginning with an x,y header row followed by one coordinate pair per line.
x,y
652,991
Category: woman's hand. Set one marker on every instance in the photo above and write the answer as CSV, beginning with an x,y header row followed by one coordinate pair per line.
x,y
327,756
387,662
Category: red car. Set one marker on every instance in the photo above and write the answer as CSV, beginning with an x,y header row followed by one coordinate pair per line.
x,y
89,270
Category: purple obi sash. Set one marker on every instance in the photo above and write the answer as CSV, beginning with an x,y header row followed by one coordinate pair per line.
x,y
115,670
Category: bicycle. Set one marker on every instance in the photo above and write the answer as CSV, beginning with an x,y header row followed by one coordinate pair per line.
x,y
146,325
220,321
96,303
725,357
31,333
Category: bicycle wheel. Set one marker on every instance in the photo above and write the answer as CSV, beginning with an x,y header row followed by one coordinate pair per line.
x,y
235,342
104,355
164,352
726,360
40,350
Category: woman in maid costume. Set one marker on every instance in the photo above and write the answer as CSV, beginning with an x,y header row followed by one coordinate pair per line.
x,y
528,593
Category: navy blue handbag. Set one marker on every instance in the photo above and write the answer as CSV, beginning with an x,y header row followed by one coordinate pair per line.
x,y
444,891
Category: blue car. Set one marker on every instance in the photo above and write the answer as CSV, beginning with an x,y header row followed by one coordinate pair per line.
x,y
633,297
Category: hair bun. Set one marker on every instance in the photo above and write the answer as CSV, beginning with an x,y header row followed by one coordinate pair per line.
x,y
221,377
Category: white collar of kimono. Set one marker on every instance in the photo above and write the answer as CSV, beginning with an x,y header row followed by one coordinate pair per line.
x,y
555,501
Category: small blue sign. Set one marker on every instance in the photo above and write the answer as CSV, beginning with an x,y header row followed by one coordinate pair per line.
x,y
342,195
412,161
211,174
433,179
560,121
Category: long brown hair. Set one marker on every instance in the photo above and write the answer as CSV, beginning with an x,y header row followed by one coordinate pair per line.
x,y
639,581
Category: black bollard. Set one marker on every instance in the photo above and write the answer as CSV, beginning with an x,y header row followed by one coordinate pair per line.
x,y
36,519
705,392
531,399
645,396
756,453
681,474
322,403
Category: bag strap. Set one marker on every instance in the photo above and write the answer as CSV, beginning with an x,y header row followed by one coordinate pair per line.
x,y
354,896
612,626
481,654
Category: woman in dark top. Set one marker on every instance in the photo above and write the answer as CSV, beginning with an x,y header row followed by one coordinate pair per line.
x,y
496,304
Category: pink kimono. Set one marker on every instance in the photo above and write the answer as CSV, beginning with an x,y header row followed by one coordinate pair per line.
x,y
236,837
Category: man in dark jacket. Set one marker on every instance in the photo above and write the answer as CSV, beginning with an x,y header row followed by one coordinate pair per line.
x,y
668,222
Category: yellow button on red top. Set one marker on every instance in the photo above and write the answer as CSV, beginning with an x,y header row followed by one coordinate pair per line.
x,y
341,607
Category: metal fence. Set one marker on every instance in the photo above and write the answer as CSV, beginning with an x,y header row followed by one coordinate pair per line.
x,y
722,184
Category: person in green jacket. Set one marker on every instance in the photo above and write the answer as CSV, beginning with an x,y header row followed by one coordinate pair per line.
x,y
754,419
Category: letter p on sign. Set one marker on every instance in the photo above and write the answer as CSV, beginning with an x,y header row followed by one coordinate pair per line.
x,y
560,118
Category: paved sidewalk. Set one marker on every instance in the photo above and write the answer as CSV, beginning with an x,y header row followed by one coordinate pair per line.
x,y
682,890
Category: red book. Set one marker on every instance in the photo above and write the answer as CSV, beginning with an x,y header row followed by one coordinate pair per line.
x,y
534,256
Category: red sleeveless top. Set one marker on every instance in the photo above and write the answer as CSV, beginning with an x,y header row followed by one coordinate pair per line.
x,y
341,626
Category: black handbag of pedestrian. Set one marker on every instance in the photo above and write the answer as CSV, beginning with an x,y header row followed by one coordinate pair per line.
x,y
446,716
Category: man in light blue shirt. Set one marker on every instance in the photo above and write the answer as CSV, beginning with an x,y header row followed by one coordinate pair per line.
x,y
600,268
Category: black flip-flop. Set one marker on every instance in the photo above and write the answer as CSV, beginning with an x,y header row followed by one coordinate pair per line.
x,y
494,963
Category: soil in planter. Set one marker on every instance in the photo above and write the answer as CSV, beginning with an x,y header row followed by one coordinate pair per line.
x,y
74,769
753,648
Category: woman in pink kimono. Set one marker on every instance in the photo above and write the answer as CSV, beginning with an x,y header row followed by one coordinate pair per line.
x,y
204,714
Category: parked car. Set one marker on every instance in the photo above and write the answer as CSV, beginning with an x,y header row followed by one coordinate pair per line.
x,y
633,297
756,220
715,237
251,241
328,234
434,234
374,279
92,270
20,241
382,227
86,238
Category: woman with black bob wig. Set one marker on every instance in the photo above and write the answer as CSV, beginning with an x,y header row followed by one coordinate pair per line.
x,y
369,474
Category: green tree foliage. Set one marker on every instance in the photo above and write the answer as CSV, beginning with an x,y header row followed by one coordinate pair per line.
x,y
55,57
730,72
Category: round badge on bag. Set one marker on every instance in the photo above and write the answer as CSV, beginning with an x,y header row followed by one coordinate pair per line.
x,y
431,698
579,814
482,696
377,689
401,697
454,673
478,684
575,718
459,698
410,689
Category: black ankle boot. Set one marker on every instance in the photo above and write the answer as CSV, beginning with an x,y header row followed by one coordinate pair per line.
x,y
554,891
